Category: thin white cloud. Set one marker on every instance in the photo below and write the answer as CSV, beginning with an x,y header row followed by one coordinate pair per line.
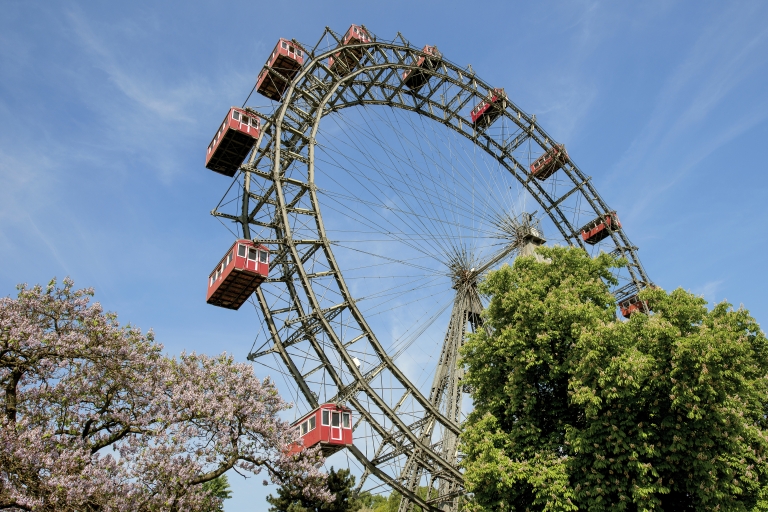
x,y
687,123
568,89
167,103
27,178
46,239
710,291
142,108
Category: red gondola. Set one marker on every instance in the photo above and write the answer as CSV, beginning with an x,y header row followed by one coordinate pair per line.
x,y
329,425
238,274
489,109
286,60
600,228
414,79
632,304
552,160
232,142
344,62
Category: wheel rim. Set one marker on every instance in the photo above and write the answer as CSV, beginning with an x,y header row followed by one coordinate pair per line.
x,y
316,326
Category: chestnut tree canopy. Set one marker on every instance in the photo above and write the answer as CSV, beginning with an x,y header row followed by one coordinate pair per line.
x,y
578,410
93,416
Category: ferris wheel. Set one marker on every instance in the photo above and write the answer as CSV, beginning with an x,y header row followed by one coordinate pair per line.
x,y
373,193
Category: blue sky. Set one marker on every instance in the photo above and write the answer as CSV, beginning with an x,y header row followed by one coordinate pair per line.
x,y
106,110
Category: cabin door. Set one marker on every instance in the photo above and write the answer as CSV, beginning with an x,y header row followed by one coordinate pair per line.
x,y
253,258
335,426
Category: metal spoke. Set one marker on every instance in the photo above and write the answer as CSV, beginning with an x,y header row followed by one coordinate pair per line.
x,y
383,208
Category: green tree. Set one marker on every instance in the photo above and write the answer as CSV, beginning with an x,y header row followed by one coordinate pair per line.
x,y
219,490
392,502
292,498
372,502
576,410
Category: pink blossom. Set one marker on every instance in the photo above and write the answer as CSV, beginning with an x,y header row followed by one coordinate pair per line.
x,y
95,417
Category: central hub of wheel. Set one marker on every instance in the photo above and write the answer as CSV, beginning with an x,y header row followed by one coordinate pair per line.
x,y
464,277
463,269
521,230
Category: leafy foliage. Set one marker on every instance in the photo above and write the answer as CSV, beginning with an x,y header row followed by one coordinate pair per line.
x,y
76,388
392,502
218,488
576,410
373,502
291,497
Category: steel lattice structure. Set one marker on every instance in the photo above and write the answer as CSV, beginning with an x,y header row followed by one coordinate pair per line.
x,y
406,433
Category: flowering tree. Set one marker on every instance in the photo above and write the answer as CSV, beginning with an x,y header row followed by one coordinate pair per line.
x,y
577,410
95,417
